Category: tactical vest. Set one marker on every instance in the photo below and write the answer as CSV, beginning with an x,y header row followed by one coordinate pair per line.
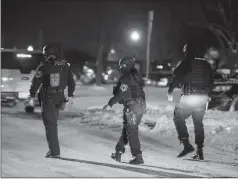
x,y
55,76
200,74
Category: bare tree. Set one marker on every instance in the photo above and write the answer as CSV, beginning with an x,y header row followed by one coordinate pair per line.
x,y
227,28
220,17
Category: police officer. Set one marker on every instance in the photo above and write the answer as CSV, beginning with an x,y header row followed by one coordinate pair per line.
x,y
52,76
195,75
129,92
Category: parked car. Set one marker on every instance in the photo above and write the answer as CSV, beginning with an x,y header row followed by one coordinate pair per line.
x,y
18,68
160,74
224,95
88,75
110,73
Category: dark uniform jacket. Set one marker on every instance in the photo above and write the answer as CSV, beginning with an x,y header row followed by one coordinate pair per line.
x,y
195,73
53,76
129,92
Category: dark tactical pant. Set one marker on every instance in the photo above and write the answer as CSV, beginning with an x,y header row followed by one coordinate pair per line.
x,y
194,105
132,115
51,104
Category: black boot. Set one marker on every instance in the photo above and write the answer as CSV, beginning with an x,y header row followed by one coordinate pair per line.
x,y
199,153
188,148
116,156
50,155
137,160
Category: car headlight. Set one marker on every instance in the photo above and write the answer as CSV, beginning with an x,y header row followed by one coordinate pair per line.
x,y
164,80
105,77
148,82
6,79
222,88
23,95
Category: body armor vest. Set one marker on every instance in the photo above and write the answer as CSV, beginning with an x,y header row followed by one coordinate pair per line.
x,y
199,76
56,75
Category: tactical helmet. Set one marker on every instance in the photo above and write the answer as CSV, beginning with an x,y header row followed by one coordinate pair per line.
x,y
126,63
51,51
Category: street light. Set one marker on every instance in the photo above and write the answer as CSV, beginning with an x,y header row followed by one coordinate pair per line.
x,y
135,36
30,48
112,51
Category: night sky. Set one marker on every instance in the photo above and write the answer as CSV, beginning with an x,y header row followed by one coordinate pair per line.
x,y
76,24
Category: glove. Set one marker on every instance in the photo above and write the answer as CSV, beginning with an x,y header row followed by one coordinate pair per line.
x,y
170,97
71,100
106,107
30,101
63,105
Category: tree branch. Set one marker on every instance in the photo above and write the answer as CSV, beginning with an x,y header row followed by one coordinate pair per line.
x,y
227,33
219,39
215,31
221,8
224,16
220,27
220,11
223,35
213,8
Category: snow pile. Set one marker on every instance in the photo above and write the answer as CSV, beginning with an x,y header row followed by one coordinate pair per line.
x,y
164,125
98,117
221,128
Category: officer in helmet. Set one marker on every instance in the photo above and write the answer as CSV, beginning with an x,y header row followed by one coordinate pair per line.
x,y
129,92
51,78
195,75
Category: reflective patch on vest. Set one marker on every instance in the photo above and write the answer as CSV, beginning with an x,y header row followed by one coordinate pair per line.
x,y
54,79
123,87
38,74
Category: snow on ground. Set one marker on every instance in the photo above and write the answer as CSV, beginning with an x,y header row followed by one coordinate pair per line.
x,y
221,128
86,149
88,136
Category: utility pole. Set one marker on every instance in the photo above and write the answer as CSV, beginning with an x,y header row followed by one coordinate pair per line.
x,y
150,24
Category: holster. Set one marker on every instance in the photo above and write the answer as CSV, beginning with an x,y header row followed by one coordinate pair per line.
x,y
63,104
137,105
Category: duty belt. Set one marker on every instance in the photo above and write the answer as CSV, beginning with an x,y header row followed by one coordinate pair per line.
x,y
53,90
132,101
188,89
128,103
